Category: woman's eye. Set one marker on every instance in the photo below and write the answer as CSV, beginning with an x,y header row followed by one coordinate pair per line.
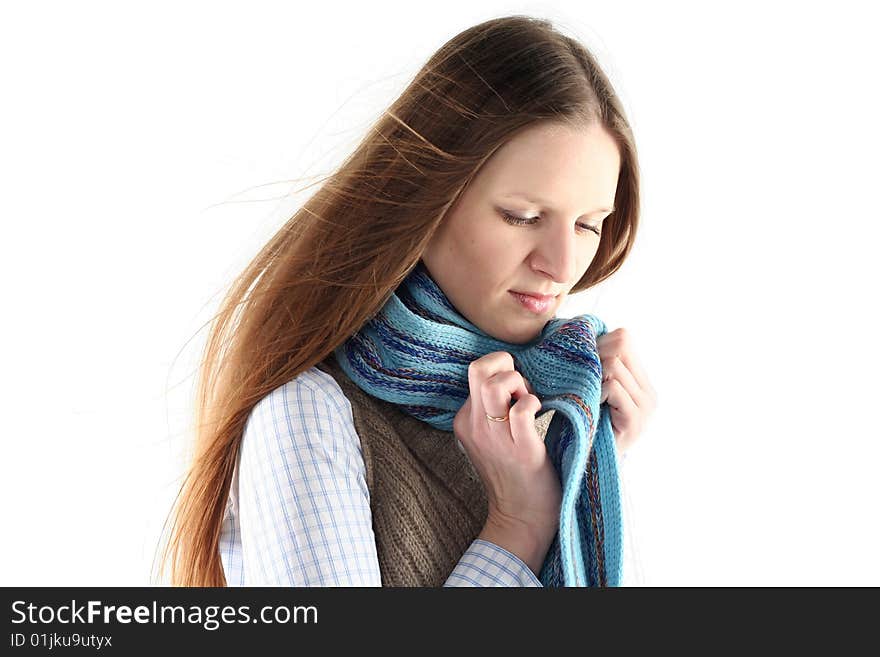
x,y
513,219
528,221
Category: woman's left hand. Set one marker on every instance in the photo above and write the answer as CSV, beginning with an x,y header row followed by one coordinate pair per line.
x,y
631,397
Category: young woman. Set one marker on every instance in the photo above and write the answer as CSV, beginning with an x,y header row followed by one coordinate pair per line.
x,y
355,424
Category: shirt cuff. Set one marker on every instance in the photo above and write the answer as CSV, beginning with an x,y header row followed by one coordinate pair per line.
x,y
487,564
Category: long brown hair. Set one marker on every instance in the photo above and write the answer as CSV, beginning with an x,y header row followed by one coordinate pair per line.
x,y
339,258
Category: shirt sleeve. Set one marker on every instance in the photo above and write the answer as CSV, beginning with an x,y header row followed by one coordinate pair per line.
x,y
488,564
303,502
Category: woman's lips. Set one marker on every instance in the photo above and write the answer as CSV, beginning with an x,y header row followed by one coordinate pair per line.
x,y
538,305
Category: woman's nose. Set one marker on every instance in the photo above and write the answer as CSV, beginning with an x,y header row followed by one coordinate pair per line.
x,y
557,253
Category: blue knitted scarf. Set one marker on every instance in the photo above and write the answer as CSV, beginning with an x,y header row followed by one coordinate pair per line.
x,y
415,353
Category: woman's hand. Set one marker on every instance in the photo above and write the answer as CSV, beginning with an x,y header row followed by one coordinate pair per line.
x,y
631,397
522,487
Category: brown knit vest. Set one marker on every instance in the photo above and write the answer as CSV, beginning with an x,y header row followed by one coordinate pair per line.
x,y
427,500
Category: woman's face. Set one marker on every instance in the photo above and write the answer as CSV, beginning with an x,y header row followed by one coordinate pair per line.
x,y
563,182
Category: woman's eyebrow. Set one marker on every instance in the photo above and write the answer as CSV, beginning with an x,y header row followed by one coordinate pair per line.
x,y
539,201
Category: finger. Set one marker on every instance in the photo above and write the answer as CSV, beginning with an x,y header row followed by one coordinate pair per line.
x,y
619,343
618,371
624,409
522,418
479,371
498,390
635,369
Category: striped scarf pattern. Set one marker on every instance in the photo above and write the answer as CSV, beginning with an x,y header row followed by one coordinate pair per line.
x,y
415,353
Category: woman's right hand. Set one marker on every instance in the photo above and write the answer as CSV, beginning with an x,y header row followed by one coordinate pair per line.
x,y
522,487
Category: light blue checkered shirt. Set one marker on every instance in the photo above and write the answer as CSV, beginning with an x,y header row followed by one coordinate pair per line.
x,y
298,512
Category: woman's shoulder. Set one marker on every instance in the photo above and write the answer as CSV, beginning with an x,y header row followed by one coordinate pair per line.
x,y
307,411
301,431
309,389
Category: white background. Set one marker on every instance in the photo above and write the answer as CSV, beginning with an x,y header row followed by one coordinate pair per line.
x,y
133,139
